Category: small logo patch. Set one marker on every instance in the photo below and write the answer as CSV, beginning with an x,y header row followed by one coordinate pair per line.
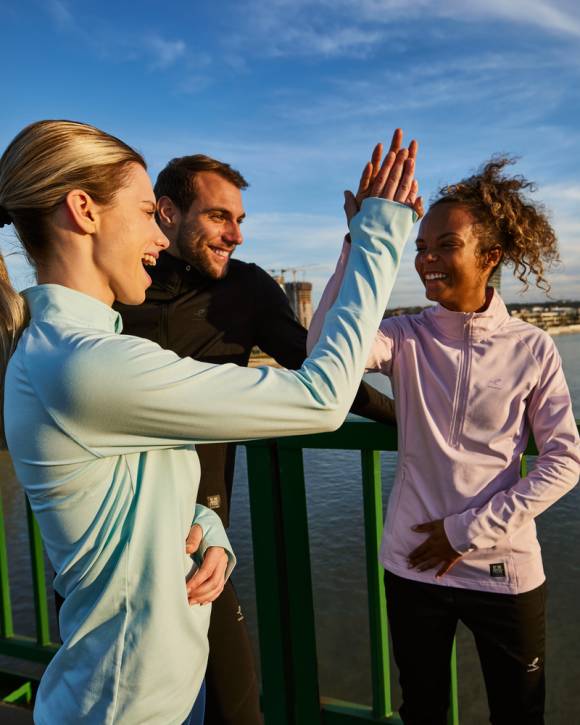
x,y
214,502
497,570
496,383
534,665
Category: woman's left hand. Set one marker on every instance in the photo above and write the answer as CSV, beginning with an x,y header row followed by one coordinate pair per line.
x,y
434,551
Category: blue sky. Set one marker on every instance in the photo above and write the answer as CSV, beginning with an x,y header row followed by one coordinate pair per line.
x,y
295,93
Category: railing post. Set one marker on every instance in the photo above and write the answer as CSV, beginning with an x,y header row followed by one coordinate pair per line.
x,y
302,630
378,625
38,579
270,574
6,625
283,585
453,716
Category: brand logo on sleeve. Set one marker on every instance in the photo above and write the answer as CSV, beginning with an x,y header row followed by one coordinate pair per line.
x,y
497,570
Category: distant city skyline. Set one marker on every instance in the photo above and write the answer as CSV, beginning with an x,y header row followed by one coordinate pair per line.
x,y
295,93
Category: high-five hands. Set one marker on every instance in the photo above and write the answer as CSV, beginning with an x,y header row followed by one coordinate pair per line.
x,y
394,179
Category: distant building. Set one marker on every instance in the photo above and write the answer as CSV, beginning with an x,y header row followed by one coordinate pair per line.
x,y
548,317
300,296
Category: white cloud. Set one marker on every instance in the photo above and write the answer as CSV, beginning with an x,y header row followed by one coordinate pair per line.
x,y
61,14
330,28
163,51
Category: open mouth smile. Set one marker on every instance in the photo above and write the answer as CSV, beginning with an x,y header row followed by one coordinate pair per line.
x,y
434,276
221,253
149,260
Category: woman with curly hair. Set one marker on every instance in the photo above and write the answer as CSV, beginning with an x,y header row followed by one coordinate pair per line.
x,y
471,383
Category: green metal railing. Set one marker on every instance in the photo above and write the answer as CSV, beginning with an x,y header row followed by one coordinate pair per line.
x,y
284,583
290,692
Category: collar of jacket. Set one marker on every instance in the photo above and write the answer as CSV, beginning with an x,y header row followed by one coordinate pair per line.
x,y
483,324
173,274
56,304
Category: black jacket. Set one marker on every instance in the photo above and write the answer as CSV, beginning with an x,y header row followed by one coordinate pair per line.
x,y
219,321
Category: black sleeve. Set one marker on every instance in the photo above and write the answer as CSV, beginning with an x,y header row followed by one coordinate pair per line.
x,y
371,403
281,336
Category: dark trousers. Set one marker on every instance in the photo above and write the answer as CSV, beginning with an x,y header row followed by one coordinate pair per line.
x,y
233,692
197,713
509,633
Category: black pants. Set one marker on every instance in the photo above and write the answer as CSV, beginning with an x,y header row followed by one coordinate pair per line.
x,y
509,632
233,693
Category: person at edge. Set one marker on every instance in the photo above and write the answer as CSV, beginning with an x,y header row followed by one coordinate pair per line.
x,y
470,384
208,306
101,427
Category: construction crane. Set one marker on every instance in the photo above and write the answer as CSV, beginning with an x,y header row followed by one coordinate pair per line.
x,y
280,271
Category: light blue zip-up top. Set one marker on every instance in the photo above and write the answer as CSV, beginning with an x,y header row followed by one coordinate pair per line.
x,y
101,428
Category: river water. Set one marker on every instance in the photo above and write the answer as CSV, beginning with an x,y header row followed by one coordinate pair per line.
x,y
338,568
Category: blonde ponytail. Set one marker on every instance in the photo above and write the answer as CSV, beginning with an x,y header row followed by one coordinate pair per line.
x,y
13,319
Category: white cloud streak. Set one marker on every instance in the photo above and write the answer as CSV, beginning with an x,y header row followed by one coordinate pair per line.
x,y
352,28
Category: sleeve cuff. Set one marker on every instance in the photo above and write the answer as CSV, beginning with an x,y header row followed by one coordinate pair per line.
x,y
214,534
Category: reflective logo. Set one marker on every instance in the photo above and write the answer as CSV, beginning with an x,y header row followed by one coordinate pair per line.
x,y
533,665
497,570
214,502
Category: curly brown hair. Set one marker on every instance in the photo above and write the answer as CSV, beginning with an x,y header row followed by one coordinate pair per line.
x,y
508,218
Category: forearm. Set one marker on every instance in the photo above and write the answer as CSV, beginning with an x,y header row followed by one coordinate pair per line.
x,y
372,404
214,534
157,399
508,511
328,297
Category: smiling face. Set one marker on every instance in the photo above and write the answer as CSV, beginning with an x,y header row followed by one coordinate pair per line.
x,y
208,233
448,262
128,239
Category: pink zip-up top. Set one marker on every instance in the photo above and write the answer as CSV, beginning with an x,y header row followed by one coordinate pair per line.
x,y
469,388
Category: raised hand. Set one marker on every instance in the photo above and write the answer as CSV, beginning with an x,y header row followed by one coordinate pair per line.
x,y
393,179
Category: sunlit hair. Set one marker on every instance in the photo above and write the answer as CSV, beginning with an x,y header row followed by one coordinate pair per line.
x,y
508,218
178,179
42,164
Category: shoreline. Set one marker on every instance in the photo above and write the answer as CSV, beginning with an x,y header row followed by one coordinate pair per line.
x,y
563,330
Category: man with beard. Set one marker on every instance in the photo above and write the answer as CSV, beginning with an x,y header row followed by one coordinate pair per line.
x,y
215,309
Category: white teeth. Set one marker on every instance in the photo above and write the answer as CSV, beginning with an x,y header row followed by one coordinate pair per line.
x,y
435,275
149,260
220,252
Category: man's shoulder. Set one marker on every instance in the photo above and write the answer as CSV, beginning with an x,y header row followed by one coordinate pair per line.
x,y
250,273
240,269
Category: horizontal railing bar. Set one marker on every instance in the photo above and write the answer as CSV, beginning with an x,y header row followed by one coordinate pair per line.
x,y
356,435
27,648
339,712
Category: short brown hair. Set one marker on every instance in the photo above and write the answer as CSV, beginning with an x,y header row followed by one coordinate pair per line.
x,y
178,179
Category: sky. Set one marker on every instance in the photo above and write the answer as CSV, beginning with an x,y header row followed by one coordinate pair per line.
x,y
295,93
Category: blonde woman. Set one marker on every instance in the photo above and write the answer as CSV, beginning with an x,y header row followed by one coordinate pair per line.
x,y
101,426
